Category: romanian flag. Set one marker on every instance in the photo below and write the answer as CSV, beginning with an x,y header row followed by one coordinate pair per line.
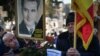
x,y
84,18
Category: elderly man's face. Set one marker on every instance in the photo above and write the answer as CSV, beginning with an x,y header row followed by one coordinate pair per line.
x,y
30,12
11,41
71,27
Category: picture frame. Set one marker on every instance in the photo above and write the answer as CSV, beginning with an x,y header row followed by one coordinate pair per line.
x,y
38,25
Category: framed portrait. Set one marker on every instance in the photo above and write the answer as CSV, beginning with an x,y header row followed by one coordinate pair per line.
x,y
30,19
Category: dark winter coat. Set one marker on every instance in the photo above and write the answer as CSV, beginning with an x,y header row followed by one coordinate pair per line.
x,y
65,41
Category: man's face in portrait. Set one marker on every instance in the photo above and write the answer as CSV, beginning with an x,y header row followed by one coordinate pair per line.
x,y
30,12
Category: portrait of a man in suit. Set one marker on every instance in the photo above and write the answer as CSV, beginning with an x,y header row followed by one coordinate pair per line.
x,y
29,13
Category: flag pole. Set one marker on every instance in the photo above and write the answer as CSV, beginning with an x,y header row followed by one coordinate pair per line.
x,y
75,39
74,8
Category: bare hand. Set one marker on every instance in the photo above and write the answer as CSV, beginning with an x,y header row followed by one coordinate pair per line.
x,y
72,52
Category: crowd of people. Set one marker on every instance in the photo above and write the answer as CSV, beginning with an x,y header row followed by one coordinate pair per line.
x,y
10,44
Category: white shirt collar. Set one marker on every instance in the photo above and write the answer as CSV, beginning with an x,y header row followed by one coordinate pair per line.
x,y
31,27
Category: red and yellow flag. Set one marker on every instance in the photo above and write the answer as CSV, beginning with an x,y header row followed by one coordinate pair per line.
x,y
84,20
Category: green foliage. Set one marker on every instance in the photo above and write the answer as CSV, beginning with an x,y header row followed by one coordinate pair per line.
x,y
32,52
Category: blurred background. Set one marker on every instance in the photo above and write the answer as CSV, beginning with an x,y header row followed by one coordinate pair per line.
x,y
56,12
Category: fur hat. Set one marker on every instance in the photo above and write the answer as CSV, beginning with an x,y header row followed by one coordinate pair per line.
x,y
70,17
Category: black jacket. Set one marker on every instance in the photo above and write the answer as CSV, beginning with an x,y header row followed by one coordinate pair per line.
x,y
3,48
65,41
23,29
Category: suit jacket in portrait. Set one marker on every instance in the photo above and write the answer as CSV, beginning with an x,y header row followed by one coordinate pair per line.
x,y
23,29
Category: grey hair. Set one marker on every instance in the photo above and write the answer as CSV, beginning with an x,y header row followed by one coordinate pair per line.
x,y
6,35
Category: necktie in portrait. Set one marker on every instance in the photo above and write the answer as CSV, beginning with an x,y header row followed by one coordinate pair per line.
x,y
31,30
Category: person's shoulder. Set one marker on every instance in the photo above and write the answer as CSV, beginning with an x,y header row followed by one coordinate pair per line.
x,y
63,35
22,23
95,38
22,26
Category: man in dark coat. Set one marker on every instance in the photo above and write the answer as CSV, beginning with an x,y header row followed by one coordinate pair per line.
x,y
3,48
65,42
8,44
